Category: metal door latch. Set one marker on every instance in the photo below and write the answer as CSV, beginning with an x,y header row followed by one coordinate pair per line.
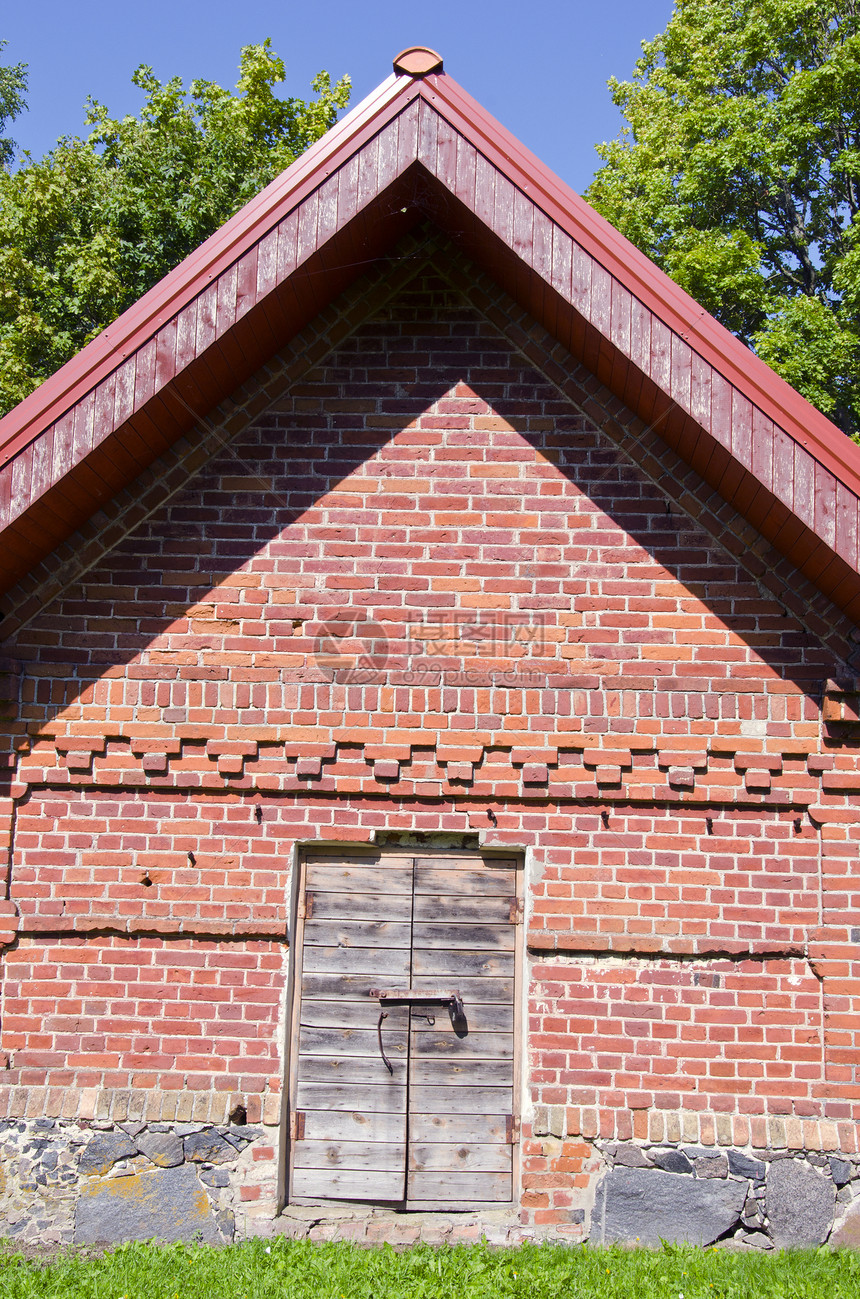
x,y
383,1014
451,999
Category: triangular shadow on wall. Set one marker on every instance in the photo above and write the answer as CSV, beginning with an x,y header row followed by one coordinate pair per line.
x,y
115,612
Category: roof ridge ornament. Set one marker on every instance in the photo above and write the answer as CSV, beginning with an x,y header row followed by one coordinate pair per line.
x,y
418,61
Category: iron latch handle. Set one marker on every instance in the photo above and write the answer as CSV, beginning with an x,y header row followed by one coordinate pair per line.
x,y
383,1014
416,994
451,999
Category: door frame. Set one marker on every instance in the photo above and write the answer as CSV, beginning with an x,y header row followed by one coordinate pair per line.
x,y
359,851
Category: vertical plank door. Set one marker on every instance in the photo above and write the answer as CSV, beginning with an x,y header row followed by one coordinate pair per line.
x,y
461,1074
439,1130
350,1111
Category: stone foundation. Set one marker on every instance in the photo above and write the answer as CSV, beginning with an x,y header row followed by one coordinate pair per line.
x,y
99,1183
703,1194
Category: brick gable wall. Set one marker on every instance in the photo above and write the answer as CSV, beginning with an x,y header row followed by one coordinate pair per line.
x,y
438,583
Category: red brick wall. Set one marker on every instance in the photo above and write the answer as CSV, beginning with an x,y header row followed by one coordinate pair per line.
x,y
144,1012
557,640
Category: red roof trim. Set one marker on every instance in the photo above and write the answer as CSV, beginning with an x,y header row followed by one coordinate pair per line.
x,y
125,335
524,181
747,372
561,204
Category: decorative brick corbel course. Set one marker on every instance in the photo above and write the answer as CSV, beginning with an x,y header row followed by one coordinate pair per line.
x,y
155,755
231,755
461,772
78,752
697,759
681,778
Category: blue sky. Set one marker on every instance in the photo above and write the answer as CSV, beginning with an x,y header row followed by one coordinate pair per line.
x,y
540,66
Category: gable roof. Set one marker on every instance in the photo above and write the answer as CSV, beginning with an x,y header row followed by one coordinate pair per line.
x,y
420,146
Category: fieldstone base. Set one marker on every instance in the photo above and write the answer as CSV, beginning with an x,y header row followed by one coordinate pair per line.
x,y
759,1199
102,1183
646,1206
161,1203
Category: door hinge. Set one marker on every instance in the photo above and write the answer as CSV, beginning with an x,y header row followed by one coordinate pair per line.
x,y
306,906
297,1125
512,1129
516,915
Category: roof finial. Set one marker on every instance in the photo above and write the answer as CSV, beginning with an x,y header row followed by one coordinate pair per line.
x,y
417,61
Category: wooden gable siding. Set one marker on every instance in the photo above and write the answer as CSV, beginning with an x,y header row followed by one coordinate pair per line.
x,y
433,155
215,343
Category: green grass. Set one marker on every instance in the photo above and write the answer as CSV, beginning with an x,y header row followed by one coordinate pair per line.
x,y
298,1270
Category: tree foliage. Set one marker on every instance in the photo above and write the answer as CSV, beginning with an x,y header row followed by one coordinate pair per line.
x,y
95,223
13,83
739,173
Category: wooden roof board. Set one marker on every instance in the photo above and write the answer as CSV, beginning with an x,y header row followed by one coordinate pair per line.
x,y
424,142
644,279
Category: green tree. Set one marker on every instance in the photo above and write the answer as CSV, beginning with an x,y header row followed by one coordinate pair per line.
x,y
13,83
738,172
95,223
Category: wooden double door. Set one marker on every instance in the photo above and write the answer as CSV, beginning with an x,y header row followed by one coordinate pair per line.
x,y
404,1066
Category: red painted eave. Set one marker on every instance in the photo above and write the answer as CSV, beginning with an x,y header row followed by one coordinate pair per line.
x,y
684,316
673,309
624,261
140,322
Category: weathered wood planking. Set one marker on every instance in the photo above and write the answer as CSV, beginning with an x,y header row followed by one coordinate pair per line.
x,y
483,1128
354,1125
368,1187
343,987
458,963
451,935
386,1156
357,933
463,862
428,1042
487,910
493,1157
452,881
381,963
335,857
359,906
386,1097
456,1187
480,1019
475,991
355,879
353,1069
361,1014
448,1070
457,914
352,1041
454,1074
340,1065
